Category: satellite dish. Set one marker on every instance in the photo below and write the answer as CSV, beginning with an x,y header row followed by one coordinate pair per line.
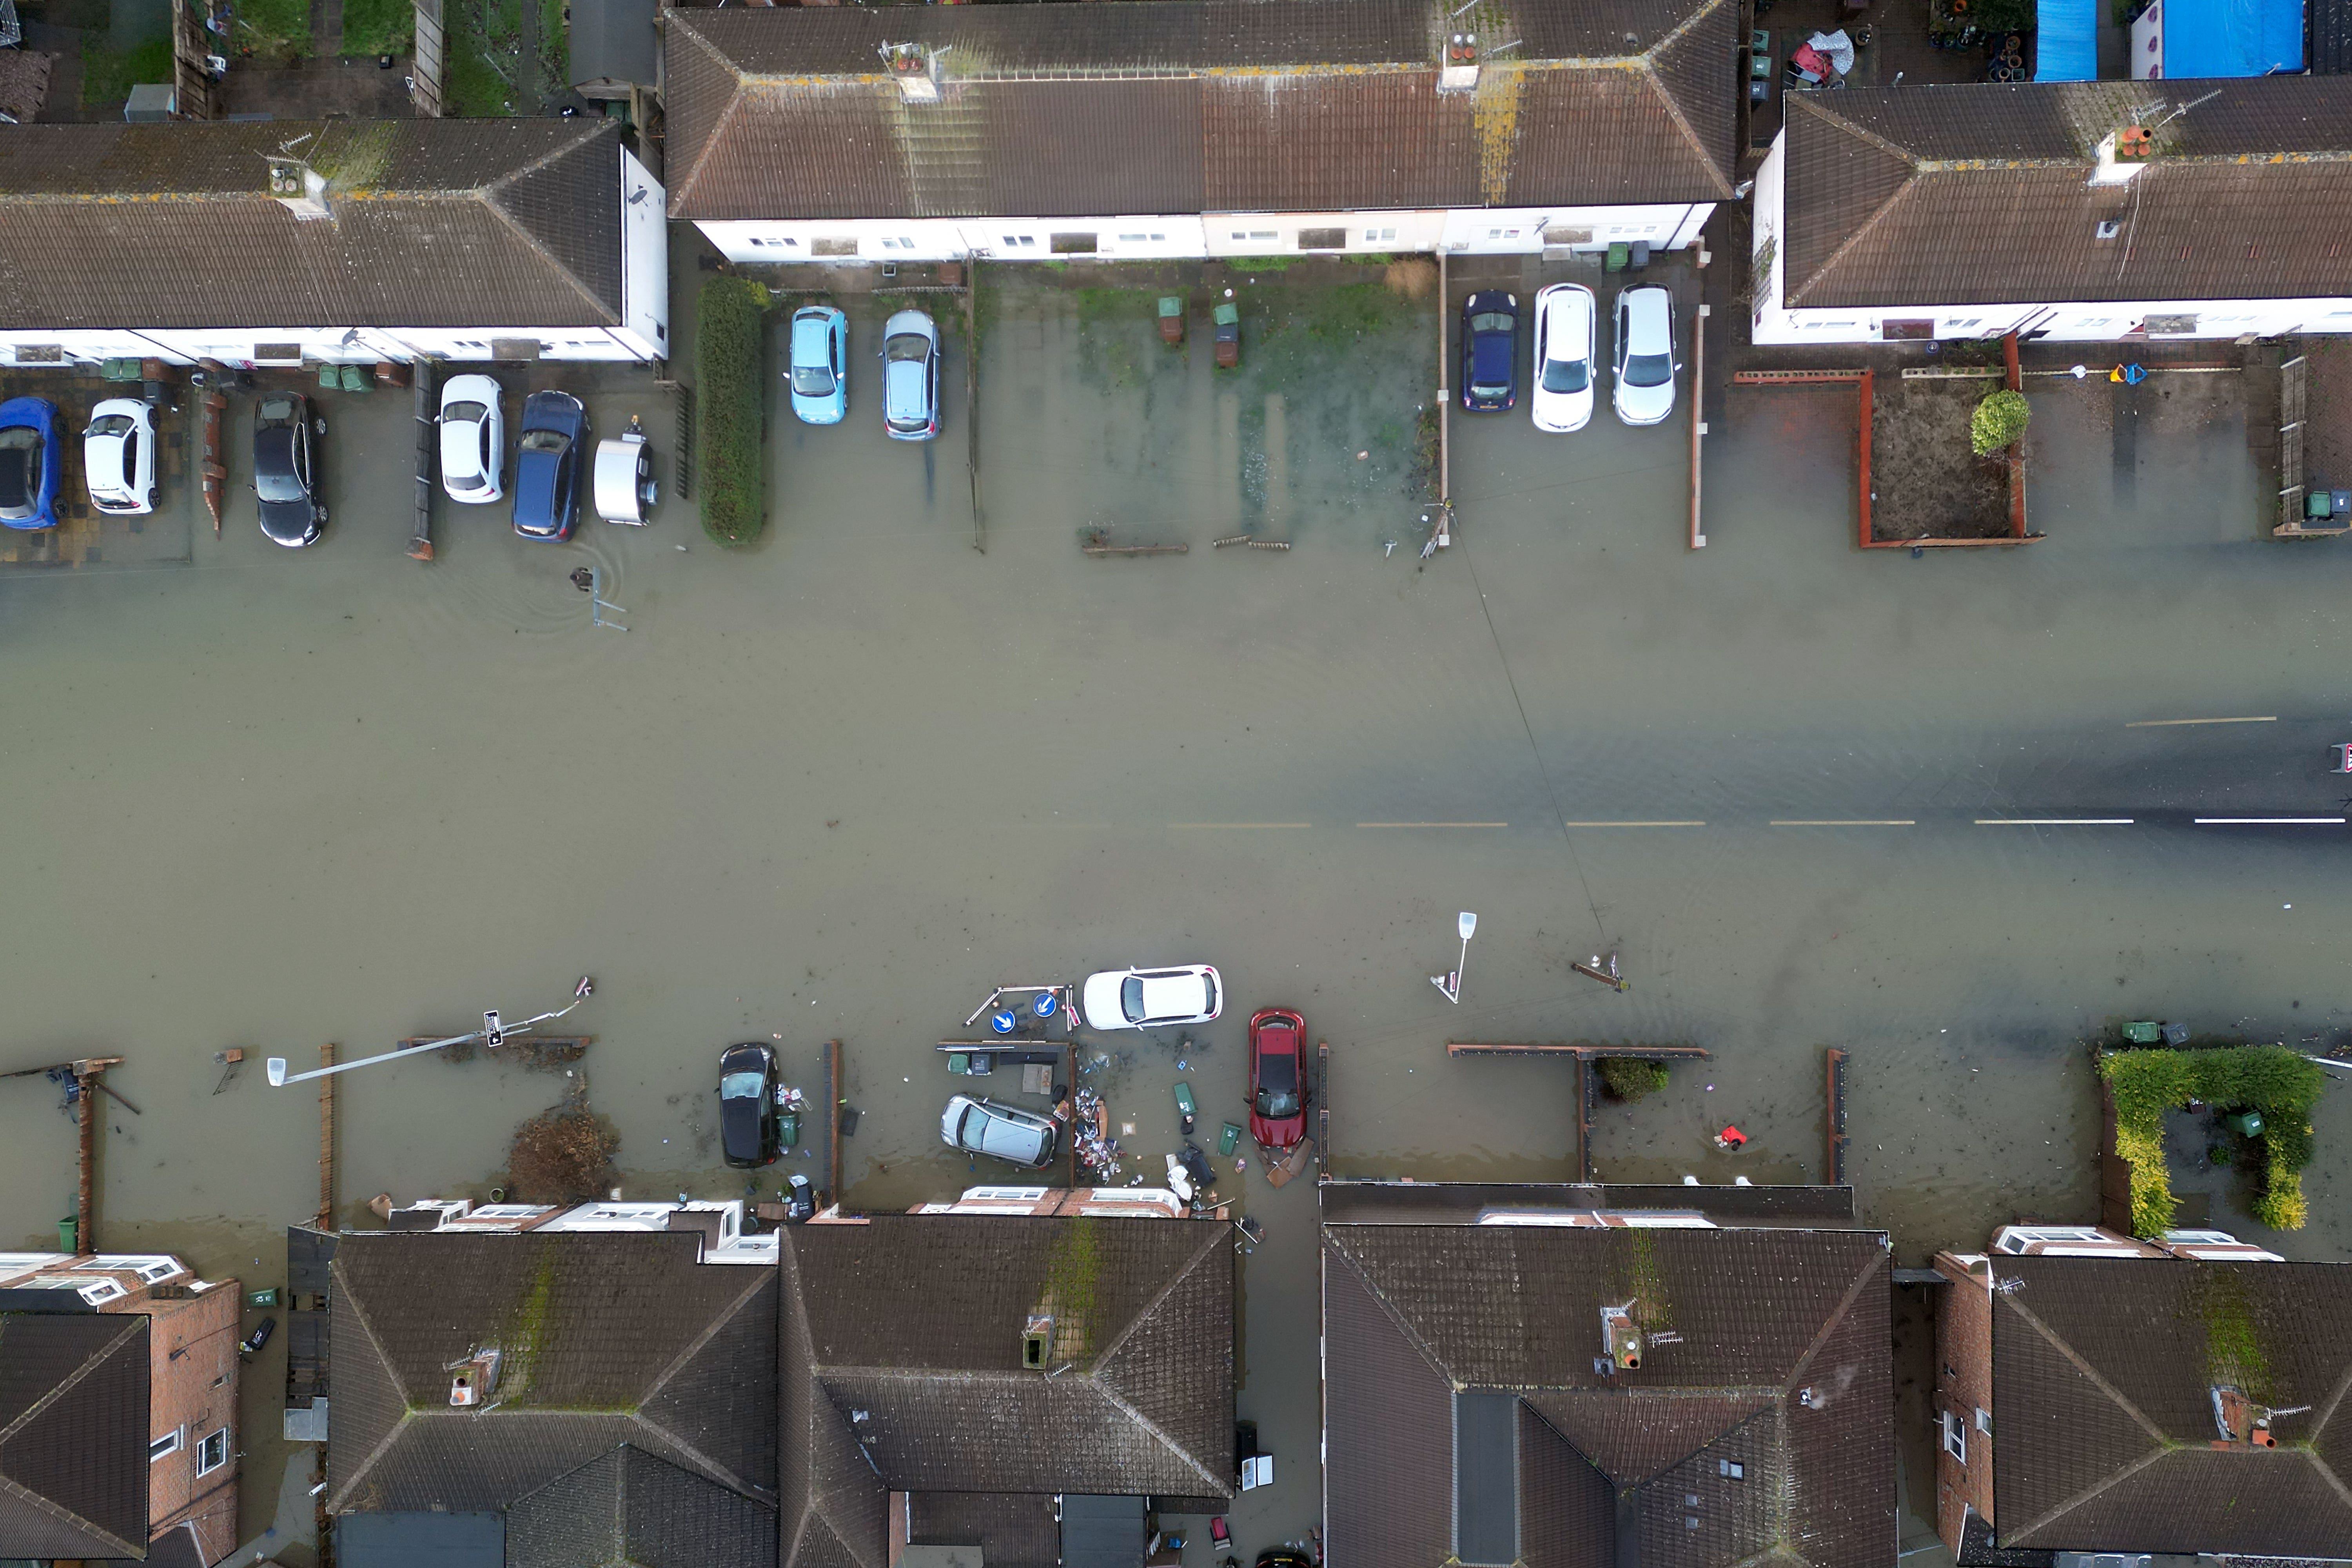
x,y
1468,924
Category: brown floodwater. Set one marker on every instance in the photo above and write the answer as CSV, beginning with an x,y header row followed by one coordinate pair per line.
x,y
840,784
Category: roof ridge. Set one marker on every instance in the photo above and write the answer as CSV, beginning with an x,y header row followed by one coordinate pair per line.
x,y
132,1323
1380,1298
68,1517
1830,1324
2058,1343
588,132
2069,1505
709,1331
2334,1402
357,1310
487,196
1791,296
1159,1435
1771,1412
1808,102
2327,1473
1215,1238
677,25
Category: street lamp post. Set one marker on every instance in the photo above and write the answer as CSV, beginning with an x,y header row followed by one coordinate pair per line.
x,y
1449,986
494,1032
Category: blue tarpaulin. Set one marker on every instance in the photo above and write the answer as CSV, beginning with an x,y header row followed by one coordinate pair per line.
x,y
2231,37
2067,41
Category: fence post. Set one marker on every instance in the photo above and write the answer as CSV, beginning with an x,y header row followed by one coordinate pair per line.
x,y
431,61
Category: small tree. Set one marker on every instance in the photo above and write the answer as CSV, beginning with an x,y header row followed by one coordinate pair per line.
x,y
1997,422
1631,1078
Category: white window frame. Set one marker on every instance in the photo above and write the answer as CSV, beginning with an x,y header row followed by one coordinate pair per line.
x,y
1956,1435
1984,1421
213,1447
169,1444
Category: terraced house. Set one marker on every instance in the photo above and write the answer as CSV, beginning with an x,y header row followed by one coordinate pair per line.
x,y
1199,128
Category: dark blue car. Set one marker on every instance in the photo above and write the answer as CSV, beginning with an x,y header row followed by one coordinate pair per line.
x,y
29,458
1490,352
547,469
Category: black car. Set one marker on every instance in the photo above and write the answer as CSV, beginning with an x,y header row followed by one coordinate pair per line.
x,y
285,473
748,1133
547,469
1490,352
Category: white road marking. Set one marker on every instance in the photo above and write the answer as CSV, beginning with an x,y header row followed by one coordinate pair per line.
x,y
1853,822
2161,723
2270,822
1432,825
1239,826
1632,824
2054,822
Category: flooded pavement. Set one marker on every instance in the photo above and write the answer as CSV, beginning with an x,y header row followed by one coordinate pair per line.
x,y
843,783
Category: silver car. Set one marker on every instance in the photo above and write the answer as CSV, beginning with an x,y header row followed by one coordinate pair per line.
x,y
1645,354
1000,1132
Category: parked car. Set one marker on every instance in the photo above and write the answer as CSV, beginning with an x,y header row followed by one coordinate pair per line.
x,y
1278,1078
1152,998
1001,1132
547,466
818,350
911,376
1565,334
1645,354
747,1134
473,440
117,457
30,457
285,473
1490,352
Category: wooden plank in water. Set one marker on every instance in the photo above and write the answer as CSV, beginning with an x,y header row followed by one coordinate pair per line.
x,y
1279,1172
1833,1161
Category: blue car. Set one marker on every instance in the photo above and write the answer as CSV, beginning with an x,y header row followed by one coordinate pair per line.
x,y
1490,352
819,372
547,469
29,458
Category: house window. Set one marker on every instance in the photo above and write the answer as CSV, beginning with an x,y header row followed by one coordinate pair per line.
x,y
1906,331
279,354
1135,239
167,1444
1374,236
1984,1422
837,245
40,353
1074,245
213,1452
1956,1436
1015,241
1732,1469
1322,239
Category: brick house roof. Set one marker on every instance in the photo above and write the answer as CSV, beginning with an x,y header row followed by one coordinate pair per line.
x,y
73,1434
901,1367
436,224
606,1340
1772,1409
2103,1406
1188,106
1979,194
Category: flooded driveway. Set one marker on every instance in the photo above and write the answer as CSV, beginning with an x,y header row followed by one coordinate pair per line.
x,y
842,784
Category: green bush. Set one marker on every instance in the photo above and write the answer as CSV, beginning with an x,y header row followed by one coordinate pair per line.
x,y
1631,1078
1998,421
729,398
2272,1079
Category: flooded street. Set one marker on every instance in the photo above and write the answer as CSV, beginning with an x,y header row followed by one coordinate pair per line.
x,y
842,784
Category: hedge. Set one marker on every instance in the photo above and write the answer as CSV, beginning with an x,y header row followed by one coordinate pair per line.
x,y
1632,1078
730,396
2272,1079
1998,421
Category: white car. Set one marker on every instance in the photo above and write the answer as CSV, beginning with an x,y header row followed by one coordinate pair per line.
x,y
473,440
1645,354
117,457
1564,354
1153,998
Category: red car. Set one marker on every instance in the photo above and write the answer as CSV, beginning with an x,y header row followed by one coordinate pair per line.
x,y
1277,1042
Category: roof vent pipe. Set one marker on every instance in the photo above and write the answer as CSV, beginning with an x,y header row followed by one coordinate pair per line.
x,y
915,71
299,188
2122,154
1458,70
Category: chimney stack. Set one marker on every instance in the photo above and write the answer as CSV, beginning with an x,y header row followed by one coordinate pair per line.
x,y
1457,68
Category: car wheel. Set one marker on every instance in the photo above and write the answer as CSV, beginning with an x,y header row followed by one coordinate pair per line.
x,y
323,516
318,427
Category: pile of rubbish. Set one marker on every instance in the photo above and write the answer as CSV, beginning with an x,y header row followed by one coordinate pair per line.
x,y
1098,1150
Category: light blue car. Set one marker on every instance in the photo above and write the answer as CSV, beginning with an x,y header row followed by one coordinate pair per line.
x,y
819,373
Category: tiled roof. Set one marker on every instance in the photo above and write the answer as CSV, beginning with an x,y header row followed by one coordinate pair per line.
x,y
1958,195
437,223
1012,1530
2102,1379
2327,40
1768,1355
605,1340
1422,1203
73,1434
1186,106
928,1394
628,1508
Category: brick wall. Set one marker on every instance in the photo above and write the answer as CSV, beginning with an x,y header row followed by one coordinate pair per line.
x,y
1963,1387
192,1390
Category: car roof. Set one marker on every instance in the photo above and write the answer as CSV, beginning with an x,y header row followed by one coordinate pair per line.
x,y
911,321
810,330
275,447
38,411
552,411
1488,300
1567,306
471,388
1646,310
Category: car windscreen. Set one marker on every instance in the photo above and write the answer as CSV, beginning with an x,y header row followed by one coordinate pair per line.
x,y
812,381
908,346
545,441
1649,370
113,425
1566,375
273,465
1131,999
464,413
275,408
740,1086
1491,321
20,472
